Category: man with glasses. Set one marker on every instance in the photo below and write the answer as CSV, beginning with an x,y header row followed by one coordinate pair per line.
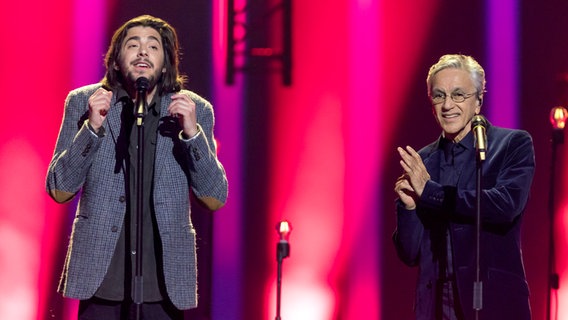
x,y
436,205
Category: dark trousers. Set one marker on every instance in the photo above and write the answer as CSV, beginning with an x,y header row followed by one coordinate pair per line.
x,y
97,309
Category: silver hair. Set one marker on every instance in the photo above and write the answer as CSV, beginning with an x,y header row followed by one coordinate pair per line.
x,y
459,61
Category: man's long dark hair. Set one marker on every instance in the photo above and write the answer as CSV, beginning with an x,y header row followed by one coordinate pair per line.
x,y
171,80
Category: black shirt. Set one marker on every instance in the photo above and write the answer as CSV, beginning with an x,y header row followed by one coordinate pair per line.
x,y
452,161
120,275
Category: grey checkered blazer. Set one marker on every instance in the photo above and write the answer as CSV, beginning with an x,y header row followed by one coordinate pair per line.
x,y
93,167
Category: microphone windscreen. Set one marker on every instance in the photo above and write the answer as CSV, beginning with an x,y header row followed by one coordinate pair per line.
x,y
478,120
142,84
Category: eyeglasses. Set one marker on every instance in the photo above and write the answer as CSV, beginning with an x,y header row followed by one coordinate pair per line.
x,y
456,96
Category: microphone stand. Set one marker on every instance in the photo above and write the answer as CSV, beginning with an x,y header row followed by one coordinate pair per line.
x,y
141,107
478,285
478,126
282,251
557,118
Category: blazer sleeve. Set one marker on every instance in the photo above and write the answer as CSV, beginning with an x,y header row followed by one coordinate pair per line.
x,y
75,149
208,177
407,235
506,182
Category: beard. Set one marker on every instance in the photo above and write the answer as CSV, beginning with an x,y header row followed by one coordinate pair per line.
x,y
131,78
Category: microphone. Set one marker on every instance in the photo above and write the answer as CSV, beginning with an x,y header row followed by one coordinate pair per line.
x,y
142,85
478,125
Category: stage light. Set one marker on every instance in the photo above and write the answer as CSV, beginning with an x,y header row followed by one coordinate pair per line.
x,y
284,228
558,116
282,251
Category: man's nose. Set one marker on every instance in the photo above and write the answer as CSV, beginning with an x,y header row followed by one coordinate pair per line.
x,y
143,52
448,103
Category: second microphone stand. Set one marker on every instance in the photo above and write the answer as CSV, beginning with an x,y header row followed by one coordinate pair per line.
x,y
558,116
282,251
479,125
478,285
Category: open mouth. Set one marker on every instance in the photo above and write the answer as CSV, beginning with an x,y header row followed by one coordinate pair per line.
x,y
142,64
450,116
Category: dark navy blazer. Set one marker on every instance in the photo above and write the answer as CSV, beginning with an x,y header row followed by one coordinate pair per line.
x,y
419,238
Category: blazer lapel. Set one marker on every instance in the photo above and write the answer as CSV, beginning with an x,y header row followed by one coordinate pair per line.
x,y
161,154
113,119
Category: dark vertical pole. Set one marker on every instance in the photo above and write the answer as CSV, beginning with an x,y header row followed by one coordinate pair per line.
x,y
478,285
230,68
553,278
141,109
287,42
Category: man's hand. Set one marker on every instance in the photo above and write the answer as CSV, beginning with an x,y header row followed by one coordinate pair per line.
x,y
99,104
410,185
183,108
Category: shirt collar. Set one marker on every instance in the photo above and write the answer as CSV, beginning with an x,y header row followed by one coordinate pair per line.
x,y
466,142
154,106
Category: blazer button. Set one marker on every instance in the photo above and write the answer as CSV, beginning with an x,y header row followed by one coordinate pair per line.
x,y
122,199
196,154
114,229
429,285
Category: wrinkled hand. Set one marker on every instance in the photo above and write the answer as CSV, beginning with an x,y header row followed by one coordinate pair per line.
x,y
410,185
99,104
183,108
405,192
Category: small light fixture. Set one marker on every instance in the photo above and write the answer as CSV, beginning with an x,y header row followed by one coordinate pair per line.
x,y
558,116
283,247
282,251
283,227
